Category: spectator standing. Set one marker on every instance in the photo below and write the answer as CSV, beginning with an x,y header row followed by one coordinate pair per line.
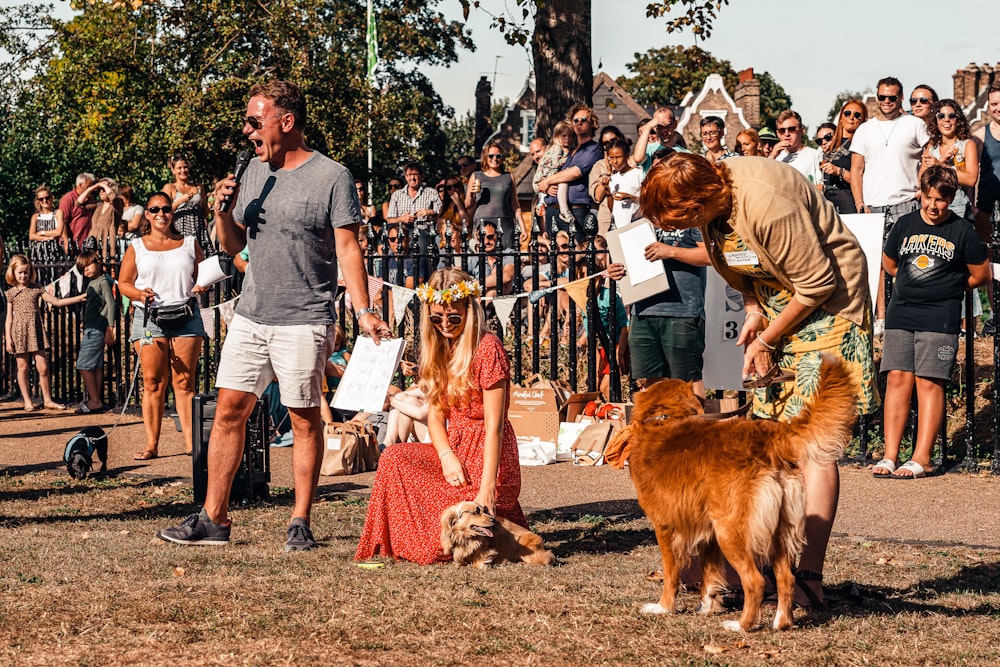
x,y
575,172
416,208
836,165
748,143
76,216
935,257
367,208
654,134
131,212
600,178
950,145
768,140
190,205
106,220
713,137
46,228
285,318
988,141
551,161
492,197
99,317
466,165
624,183
922,100
395,183
453,222
790,149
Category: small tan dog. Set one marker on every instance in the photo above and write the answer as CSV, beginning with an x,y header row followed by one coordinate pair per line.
x,y
732,488
473,537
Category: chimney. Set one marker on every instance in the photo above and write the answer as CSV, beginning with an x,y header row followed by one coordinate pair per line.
x,y
970,82
484,129
747,97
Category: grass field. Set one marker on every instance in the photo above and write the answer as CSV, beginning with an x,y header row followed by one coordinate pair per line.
x,y
84,582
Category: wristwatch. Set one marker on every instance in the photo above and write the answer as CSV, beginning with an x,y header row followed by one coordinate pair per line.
x,y
365,311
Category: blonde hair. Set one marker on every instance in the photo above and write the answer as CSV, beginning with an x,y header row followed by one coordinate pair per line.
x,y
561,128
16,262
39,190
446,365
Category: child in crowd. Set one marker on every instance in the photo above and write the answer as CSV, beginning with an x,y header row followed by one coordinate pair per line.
x,y
935,256
624,184
23,329
98,330
563,143
604,316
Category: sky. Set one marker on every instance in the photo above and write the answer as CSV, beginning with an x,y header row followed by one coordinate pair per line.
x,y
814,50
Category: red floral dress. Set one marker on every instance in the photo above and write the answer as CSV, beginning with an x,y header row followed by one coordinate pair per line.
x,y
410,492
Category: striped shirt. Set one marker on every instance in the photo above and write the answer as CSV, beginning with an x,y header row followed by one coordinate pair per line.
x,y
402,204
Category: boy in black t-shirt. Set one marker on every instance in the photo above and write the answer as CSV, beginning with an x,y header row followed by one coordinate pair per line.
x,y
935,256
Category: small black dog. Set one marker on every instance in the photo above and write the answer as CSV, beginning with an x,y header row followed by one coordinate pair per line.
x,y
79,454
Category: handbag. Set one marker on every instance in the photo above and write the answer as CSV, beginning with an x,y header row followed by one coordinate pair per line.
x,y
172,317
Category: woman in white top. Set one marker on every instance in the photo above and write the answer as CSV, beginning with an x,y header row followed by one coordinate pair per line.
x,y
158,273
949,145
46,227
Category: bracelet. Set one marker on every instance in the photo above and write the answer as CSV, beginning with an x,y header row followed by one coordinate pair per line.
x,y
756,313
366,311
766,345
445,453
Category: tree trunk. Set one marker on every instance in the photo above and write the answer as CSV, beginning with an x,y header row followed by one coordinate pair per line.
x,y
564,74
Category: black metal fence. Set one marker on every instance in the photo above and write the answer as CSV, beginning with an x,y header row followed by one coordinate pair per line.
x,y
541,336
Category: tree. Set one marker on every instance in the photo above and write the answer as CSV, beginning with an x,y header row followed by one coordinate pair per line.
x,y
129,84
460,134
773,99
842,97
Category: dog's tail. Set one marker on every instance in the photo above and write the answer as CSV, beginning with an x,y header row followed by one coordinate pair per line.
x,y
824,426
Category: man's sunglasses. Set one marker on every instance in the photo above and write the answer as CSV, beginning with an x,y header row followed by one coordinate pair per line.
x,y
788,130
853,114
454,319
489,237
887,98
257,123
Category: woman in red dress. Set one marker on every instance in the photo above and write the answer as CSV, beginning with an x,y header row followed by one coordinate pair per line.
x,y
465,375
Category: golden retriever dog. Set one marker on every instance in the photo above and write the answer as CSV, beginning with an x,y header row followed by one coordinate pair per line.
x,y
473,537
732,489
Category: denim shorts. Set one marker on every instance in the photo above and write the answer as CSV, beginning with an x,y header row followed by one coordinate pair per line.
x,y
91,355
192,326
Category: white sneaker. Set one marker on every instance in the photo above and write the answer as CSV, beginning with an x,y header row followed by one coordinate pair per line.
x,y
879,328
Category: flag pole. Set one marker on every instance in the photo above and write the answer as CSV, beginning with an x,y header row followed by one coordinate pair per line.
x,y
371,39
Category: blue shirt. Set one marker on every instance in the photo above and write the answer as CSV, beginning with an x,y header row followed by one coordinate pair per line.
x,y
584,158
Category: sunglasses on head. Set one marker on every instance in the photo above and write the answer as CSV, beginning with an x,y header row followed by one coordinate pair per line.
x,y
853,114
453,319
920,100
951,115
887,98
825,138
157,209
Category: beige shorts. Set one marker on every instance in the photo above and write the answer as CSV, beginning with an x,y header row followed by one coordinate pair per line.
x,y
255,354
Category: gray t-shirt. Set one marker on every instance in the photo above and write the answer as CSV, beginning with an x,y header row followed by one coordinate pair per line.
x,y
290,215
494,198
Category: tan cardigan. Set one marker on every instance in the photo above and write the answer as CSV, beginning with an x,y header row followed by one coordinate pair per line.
x,y
798,237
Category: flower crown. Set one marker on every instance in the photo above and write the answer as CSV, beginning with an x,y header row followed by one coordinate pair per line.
x,y
456,292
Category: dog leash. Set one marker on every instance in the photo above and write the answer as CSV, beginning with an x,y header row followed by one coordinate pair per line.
x,y
128,397
711,416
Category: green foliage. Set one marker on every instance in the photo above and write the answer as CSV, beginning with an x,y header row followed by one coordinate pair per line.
x,y
773,99
460,135
665,76
128,84
698,15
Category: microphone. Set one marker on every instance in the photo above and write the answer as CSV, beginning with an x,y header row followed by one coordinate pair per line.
x,y
242,162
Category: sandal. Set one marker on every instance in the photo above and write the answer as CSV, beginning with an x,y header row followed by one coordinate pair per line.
x,y
802,576
915,469
145,455
885,464
774,375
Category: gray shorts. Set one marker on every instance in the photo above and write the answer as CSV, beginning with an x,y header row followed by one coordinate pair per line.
x,y
91,355
927,354
254,354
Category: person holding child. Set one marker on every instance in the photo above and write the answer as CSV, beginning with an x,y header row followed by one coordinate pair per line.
x,y
24,333
158,273
935,256
465,376
98,330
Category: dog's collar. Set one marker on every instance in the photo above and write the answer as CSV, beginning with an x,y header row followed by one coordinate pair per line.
x,y
711,416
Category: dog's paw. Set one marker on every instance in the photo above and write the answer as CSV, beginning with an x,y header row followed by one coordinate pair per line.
x,y
654,608
732,626
782,622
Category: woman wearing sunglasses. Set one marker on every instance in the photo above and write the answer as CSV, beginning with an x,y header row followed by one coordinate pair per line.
x,y
465,376
158,273
395,183
836,164
46,226
492,197
950,146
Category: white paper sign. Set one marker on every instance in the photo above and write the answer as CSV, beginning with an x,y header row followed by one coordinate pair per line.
x,y
210,272
368,374
723,321
867,228
634,242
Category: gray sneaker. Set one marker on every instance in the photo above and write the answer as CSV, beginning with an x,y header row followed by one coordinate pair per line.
x,y
197,529
300,538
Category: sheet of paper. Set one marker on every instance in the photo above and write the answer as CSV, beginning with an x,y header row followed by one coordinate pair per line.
x,y
368,374
210,272
634,243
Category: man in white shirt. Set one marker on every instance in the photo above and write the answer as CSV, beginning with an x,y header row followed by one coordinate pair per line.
x,y
885,157
790,150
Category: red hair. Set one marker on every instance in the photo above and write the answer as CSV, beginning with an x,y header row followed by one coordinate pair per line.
x,y
682,181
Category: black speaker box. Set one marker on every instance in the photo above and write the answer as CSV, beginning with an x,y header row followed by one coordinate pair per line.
x,y
254,474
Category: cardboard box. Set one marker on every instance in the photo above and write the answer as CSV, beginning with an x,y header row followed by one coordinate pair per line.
x,y
575,403
534,413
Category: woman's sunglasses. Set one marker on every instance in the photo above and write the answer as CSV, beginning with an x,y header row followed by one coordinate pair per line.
x,y
950,115
825,138
156,209
852,114
454,319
